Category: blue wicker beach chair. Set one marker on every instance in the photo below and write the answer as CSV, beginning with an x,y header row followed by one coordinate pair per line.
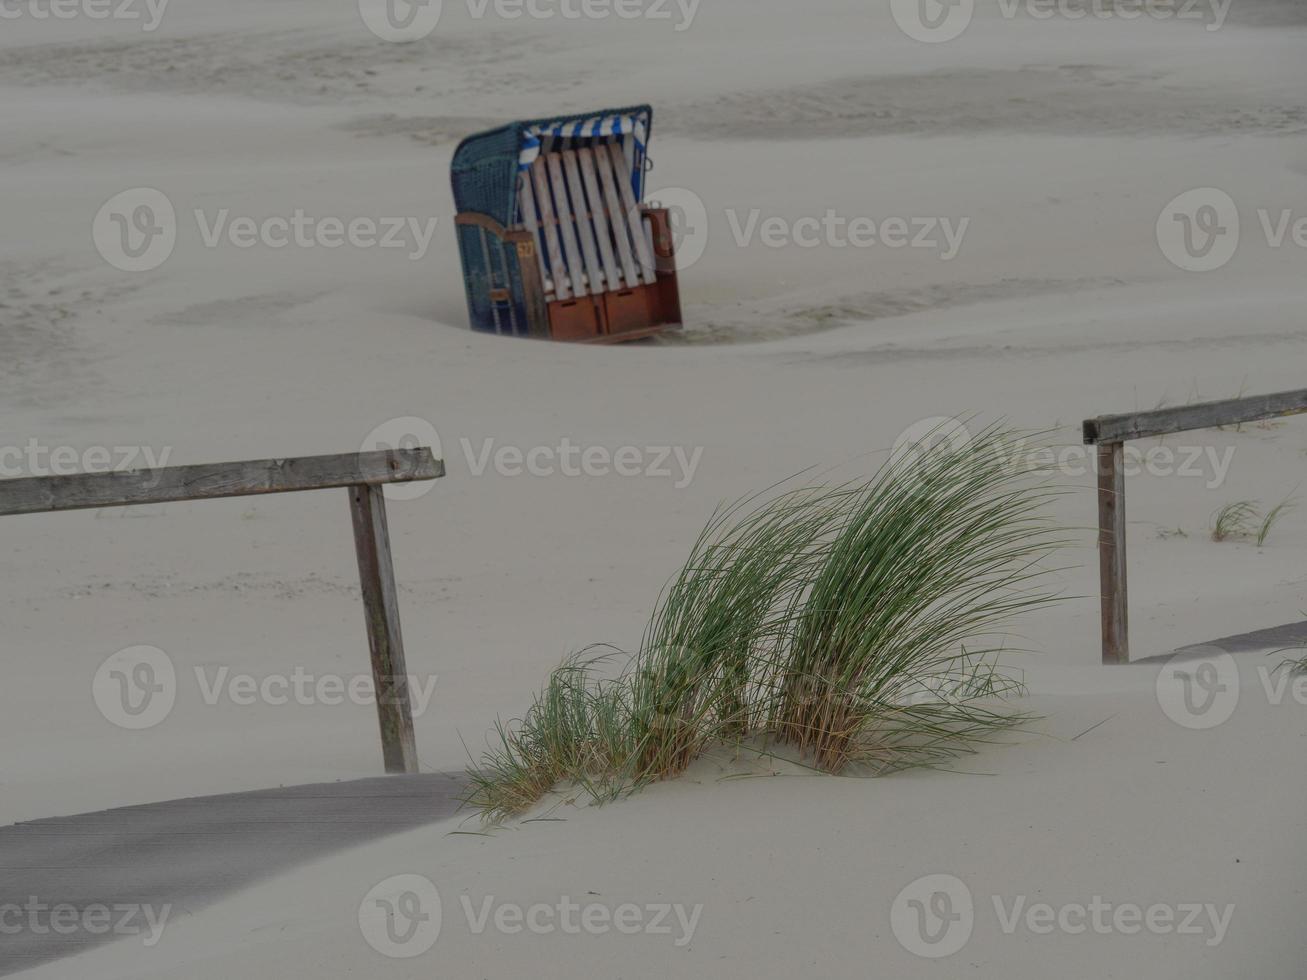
x,y
553,233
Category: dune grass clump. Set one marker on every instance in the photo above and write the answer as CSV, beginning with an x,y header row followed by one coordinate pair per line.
x,y
856,626
726,612
1272,518
562,736
695,679
1242,519
934,553
1234,520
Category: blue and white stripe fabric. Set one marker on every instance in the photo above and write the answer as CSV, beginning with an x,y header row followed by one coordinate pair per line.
x,y
630,131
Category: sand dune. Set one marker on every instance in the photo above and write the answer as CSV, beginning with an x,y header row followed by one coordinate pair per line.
x,y
1059,143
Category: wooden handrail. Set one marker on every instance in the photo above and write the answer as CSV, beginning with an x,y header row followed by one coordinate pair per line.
x,y
1110,433
363,474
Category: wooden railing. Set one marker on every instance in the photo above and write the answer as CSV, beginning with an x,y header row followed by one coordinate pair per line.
x,y
363,474
1110,433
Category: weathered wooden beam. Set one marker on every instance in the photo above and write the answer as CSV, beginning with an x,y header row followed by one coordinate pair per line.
x,y
1108,429
1111,553
35,495
381,609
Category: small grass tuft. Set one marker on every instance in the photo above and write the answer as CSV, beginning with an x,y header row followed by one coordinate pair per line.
x,y
1278,511
1235,519
1296,665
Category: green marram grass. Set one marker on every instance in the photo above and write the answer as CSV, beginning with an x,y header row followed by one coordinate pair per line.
x,y
936,552
1234,520
857,626
1296,665
1241,518
1272,518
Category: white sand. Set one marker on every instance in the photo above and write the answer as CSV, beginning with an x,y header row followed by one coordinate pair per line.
x,y
1060,141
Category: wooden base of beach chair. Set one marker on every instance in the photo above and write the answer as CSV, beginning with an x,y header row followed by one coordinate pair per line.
x,y
614,318
577,319
626,314
606,318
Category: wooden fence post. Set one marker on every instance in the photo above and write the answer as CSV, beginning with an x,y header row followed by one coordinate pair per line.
x,y
1111,553
381,607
